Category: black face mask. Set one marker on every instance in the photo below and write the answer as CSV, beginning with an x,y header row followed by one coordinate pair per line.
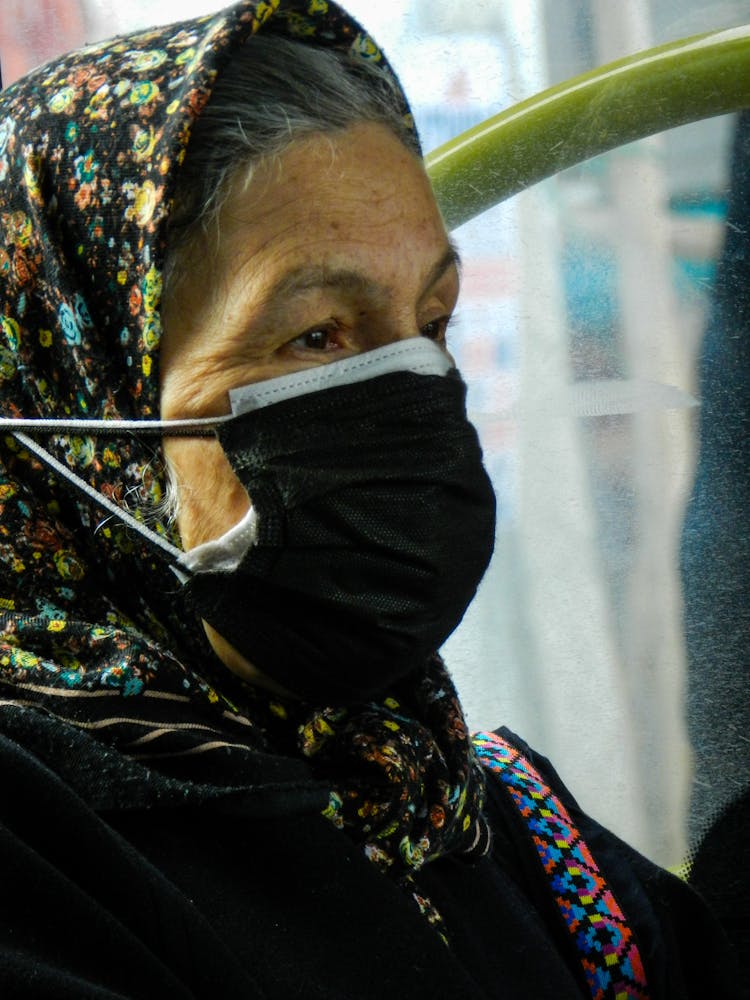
x,y
375,524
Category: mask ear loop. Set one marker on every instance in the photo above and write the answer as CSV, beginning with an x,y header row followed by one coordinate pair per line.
x,y
174,554
199,427
224,553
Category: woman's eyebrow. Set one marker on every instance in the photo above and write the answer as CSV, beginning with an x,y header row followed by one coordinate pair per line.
x,y
451,258
309,277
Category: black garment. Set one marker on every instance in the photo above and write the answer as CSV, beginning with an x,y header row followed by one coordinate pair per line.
x,y
720,870
118,882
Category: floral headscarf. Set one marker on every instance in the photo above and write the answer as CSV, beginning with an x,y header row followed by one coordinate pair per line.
x,y
90,148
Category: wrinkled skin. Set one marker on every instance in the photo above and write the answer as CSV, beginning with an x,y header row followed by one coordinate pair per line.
x,y
333,248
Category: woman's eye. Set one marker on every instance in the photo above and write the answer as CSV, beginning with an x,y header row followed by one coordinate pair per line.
x,y
436,329
314,340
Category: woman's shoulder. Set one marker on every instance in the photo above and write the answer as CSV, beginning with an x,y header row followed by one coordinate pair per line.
x,y
172,888
108,777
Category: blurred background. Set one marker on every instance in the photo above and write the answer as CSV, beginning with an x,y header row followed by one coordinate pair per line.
x,y
603,330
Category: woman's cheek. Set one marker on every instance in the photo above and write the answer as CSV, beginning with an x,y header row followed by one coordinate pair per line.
x,y
211,499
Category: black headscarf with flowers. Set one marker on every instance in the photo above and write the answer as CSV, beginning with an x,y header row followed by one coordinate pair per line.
x,y
94,631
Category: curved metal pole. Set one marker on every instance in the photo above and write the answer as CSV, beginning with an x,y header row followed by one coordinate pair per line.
x,y
607,107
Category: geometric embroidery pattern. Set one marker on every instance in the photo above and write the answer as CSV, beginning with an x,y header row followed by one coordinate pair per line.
x,y
606,945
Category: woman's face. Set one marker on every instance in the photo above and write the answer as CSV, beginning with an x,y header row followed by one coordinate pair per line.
x,y
334,248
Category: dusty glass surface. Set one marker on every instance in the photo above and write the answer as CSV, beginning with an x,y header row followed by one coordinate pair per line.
x,y
605,342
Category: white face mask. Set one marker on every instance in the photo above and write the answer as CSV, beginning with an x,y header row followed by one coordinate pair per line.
x,y
224,554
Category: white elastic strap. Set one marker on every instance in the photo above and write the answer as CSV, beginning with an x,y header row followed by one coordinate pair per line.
x,y
48,425
221,554
98,498
417,354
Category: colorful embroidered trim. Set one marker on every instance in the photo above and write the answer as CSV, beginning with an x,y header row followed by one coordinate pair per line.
x,y
606,946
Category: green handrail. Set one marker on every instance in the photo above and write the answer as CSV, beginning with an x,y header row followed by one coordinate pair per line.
x,y
625,100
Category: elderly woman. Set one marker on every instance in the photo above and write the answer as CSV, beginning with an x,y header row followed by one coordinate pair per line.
x,y
242,508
